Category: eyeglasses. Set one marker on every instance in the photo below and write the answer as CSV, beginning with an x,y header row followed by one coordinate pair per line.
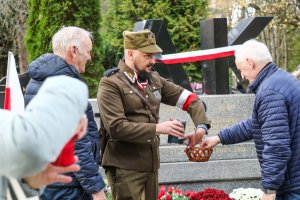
x,y
151,56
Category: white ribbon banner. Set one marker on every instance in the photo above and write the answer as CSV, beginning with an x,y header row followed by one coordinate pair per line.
x,y
200,55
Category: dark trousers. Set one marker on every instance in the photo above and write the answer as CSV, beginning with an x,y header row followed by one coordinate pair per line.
x,y
129,185
65,193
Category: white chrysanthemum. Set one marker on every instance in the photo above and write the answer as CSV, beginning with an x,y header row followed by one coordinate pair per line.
x,y
246,194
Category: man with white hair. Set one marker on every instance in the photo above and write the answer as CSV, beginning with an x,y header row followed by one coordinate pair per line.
x,y
274,125
72,48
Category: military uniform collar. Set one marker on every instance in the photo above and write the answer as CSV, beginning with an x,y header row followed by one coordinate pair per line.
x,y
129,73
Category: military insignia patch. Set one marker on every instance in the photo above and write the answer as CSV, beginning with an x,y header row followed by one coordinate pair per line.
x,y
157,95
151,38
131,76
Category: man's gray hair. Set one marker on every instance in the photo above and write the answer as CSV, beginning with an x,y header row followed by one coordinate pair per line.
x,y
69,36
257,51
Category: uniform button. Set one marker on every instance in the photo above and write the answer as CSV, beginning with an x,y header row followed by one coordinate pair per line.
x,y
130,92
148,140
147,96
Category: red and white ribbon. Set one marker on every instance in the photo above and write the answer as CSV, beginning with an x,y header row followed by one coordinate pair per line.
x,y
194,56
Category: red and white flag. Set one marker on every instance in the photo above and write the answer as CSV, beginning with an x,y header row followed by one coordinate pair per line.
x,y
14,100
194,56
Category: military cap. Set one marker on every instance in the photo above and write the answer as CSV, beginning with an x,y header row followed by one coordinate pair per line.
x,y
143,40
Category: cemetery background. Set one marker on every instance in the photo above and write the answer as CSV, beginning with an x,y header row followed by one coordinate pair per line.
x,y
230,166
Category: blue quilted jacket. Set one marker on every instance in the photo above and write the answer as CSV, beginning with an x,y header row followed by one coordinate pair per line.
x,y
87,149
275,128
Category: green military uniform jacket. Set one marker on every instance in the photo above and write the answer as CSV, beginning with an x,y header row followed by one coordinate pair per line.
x,y
133,143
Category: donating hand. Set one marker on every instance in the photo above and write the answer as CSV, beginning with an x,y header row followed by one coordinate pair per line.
x,y
210,142
268,197
194,138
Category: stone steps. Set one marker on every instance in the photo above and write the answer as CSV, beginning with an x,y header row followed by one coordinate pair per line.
x,y
229,167
185,172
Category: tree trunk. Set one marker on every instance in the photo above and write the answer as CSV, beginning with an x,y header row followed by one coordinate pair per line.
x,y
21,30
23,62
286,52
277,45
272,43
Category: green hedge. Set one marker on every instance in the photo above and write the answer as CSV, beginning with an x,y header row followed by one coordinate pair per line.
x,y
47,16
182,18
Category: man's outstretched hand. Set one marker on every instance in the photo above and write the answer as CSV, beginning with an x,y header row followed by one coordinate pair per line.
x,y
210,142
194,138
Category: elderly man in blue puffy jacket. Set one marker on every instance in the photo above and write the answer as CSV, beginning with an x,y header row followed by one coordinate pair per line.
x,y
72,48
274,124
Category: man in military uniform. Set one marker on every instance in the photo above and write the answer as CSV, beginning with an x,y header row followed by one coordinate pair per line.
x,y
131,157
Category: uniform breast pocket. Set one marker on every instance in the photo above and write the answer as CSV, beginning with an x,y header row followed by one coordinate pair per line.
x,y
155,89
131,100
157,95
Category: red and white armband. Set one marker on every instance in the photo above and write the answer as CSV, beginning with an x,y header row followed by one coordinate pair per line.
x,y
185,99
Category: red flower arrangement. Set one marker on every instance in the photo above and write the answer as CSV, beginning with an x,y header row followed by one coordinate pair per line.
x,y
211,194
176,194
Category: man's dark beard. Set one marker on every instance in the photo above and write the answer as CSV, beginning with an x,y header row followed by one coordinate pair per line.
x,y
143,76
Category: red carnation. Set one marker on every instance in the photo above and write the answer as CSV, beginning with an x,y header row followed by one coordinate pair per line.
x,y
168,197
178,191
160,196
188,193
162,188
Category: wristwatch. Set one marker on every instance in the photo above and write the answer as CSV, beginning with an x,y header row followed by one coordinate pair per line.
x,y
266,191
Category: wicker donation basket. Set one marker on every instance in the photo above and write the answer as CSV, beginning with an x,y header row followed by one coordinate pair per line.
x,y
198,154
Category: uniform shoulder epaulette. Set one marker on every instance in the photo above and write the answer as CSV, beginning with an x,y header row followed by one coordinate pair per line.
x,y
110,72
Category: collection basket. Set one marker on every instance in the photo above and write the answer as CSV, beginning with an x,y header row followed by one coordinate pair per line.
x,y
198,154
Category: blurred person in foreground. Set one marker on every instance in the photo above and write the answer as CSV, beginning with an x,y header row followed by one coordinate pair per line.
x,y
32,140
131,158
274,125
72,48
